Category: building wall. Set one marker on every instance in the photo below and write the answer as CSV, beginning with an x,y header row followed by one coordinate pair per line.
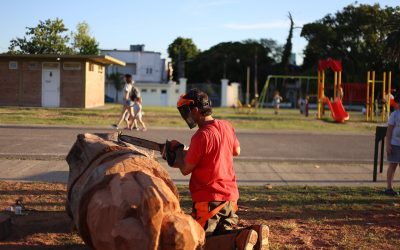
x,y
94,88
23,86
144,66
71,86
9,84
154,94
31,84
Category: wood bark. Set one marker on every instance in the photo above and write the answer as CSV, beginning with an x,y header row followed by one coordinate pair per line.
x,y
119,197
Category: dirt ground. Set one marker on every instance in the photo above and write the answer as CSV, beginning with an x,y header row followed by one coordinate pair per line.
x,y
299,218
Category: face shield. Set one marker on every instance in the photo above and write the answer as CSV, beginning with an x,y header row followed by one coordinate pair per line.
x,y
184,109
187,116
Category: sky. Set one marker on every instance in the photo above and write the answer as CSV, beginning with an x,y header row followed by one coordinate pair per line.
x,y
117,24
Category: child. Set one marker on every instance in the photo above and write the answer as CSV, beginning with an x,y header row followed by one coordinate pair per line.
x,y
393,147
137,107
277,101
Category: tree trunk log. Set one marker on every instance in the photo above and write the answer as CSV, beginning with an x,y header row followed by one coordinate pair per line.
x,y
119,197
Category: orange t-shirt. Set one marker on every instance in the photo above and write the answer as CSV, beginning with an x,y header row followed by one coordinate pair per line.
x,y
211,151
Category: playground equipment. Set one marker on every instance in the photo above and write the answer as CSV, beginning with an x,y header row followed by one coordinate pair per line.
x,y
386,87
337,110
263,94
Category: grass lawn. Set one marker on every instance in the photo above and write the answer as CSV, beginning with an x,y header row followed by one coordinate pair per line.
x,y
299,217
169,117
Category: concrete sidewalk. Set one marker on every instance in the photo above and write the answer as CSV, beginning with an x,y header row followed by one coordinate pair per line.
x,y
248,173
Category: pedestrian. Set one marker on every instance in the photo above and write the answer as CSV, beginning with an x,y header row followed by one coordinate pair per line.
x,y
213,186
130,94
307,106
137,108
277,100
393,147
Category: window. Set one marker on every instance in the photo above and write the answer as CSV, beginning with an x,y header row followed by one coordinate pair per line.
x,y
164,91
149,71
153,90
100,69
91,67
144,90
33,66
13,65
71,65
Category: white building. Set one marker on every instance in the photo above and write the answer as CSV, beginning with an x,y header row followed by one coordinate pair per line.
x,y
150,73
144,66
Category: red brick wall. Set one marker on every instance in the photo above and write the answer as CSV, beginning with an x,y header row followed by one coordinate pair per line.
x,y
31,89
71,87
9,84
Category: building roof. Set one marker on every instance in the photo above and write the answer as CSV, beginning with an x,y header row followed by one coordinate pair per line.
x,y
103,59
127,50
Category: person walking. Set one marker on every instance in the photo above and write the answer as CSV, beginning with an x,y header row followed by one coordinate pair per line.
x,y
130,94
393,147
137,108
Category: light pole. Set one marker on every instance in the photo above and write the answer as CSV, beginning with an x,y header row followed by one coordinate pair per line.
x,y
248,86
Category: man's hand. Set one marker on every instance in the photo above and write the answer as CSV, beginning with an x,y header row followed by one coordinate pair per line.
x,y
389,149
169,151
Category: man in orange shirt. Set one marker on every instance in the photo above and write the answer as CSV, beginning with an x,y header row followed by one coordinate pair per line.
x,y
213,187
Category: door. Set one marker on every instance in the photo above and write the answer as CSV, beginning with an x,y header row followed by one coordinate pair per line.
x,y
164,98
51,84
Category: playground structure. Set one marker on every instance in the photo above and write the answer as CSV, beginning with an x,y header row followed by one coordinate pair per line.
x,y
336,107
264,92
386,100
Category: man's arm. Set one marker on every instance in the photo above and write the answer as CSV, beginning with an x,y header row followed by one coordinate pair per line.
x,y
389,133
181,163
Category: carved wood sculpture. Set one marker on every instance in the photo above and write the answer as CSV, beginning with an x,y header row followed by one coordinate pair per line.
x,y
121,198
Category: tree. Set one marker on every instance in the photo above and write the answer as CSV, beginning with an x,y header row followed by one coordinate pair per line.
x,y
83,43
181,50
287,49
392,44
48,37
275,49
231,58
116,80
357,35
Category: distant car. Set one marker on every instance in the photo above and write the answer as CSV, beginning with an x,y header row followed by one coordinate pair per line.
x,y
108,99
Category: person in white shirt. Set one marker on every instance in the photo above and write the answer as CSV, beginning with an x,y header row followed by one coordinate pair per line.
x,y
393,147
130,94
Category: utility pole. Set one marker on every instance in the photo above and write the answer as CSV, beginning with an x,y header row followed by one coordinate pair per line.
x,y
248,86
255,75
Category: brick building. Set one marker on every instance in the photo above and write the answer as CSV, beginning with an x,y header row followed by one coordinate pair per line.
x,y
53,80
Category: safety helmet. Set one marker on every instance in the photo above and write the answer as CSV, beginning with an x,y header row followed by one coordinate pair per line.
x,y
194,98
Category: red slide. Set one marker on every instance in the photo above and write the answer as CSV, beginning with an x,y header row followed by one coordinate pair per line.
x,y
337,110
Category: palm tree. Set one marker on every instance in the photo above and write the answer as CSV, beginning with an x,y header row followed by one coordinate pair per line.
x,y
116,80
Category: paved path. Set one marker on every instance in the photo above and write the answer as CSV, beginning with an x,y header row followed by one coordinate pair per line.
x,y
52,143
248,173
275,157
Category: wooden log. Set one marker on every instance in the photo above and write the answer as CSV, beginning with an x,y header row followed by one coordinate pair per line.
x,y
121,198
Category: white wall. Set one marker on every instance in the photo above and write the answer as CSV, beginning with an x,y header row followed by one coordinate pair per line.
x,y
149,65
229,93
154,94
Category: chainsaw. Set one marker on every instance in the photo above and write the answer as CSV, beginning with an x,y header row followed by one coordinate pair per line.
x,y
169,155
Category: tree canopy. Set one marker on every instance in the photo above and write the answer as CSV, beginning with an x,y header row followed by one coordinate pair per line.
x,y
181,50
231,59
83,43
48,37
360,35
51,37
